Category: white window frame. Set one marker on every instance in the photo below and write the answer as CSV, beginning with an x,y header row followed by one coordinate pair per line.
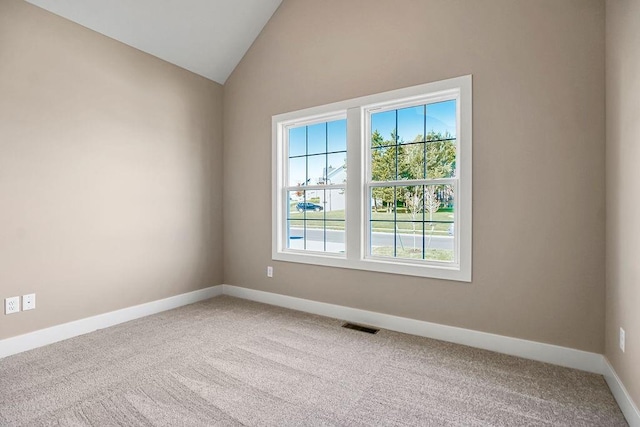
x,y
357,212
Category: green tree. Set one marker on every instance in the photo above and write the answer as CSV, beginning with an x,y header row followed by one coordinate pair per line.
x,y
413,159
441,155
383,168
376,139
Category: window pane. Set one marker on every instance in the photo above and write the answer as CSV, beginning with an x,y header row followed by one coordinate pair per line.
x,y
317,137
315,235
439,241
298,141
297,171
382,238
305,204
439,225
441,159
408,160
413,222
439,203
412,201
334,204
295,234
411,161
316,168
383,164
441,120
308,154
337,136
337,169
409,240
411,124
383,126
382,203
313,207
335,234
383,223
296,204
380,226
316,220
292,198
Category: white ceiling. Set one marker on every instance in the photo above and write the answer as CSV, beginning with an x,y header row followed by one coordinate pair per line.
x,y
208,37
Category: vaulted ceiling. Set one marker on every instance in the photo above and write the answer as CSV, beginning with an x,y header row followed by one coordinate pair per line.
x,y
207,37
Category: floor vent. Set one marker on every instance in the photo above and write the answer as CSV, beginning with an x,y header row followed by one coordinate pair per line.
x,y
360,328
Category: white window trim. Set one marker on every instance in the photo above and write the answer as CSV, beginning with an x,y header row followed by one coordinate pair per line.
x,y
357,164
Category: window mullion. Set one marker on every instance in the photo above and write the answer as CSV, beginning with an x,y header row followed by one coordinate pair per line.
x,y
355,225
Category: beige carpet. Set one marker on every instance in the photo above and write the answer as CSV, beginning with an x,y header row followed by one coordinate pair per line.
x,y
231,362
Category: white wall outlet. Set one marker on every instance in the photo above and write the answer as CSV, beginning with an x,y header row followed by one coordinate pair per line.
x,y
11,305
622,339
269,271
28,302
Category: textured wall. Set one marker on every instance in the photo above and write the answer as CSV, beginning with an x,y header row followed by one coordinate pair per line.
x,y
110,172
623,190
538,76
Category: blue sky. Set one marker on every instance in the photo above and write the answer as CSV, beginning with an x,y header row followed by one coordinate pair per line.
x,y
440,117
318,141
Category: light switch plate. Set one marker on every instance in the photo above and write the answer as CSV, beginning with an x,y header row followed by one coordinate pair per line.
x,y
28,302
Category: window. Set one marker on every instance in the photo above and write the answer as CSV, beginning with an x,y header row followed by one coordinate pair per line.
x,y
315,193
412,181
379,183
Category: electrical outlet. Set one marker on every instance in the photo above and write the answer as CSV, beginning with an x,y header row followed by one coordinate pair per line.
x,y
11,305
269,271
622,339
28,302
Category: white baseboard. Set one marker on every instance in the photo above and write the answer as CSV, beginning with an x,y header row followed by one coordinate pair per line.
x,y
563,356
57,333
628,407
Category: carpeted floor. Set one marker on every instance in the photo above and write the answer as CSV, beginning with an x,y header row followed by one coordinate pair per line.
x,y
231,362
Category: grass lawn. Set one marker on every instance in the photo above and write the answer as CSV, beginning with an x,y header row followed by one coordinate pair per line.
x,y
383,221
408,252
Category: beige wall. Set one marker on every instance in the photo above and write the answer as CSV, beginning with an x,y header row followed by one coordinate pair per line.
x,y
110,172
538,76
623,189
